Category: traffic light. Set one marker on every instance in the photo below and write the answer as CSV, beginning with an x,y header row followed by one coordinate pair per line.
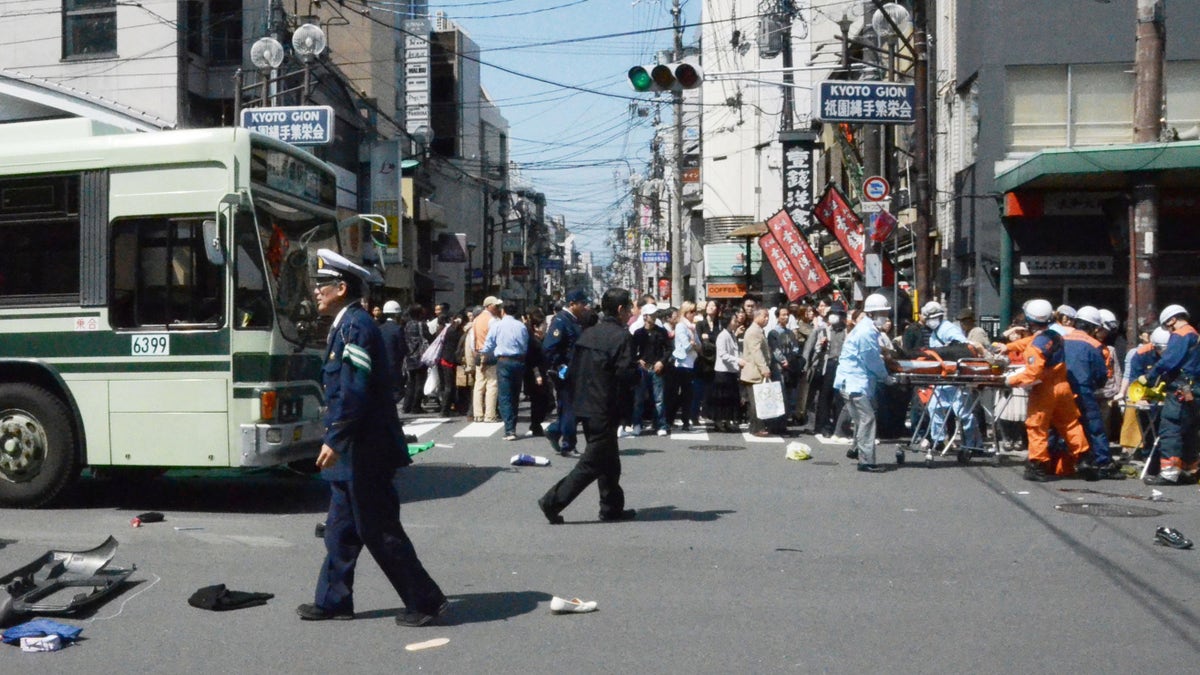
x,y
665,77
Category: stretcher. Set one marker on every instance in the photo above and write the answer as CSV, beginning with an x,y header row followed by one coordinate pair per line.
x,y
974,377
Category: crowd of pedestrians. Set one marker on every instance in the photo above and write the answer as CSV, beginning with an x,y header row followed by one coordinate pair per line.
x,y
704,367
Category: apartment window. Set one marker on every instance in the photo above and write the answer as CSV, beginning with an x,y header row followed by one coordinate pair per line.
x,y
1090,104
89,28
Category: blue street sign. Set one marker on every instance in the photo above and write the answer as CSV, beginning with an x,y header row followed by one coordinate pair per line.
x,y
298,125
865,102
656,256
549,264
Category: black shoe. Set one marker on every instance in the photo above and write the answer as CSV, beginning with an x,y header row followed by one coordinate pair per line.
x,y
852,453
1109,471
1086,469
1157,479
871,468
555,439
312,612
1169,536
409,438
1036,472
537,432
570,454
415,619
626,514
554,518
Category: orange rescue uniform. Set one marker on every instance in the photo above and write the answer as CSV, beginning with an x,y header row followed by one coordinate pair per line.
x,y
1051,401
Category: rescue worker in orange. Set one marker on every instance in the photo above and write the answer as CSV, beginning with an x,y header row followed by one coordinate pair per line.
x,y
1051,402
1179,426
1088,369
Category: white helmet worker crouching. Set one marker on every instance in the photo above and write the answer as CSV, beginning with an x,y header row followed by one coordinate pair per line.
x,y
1039,311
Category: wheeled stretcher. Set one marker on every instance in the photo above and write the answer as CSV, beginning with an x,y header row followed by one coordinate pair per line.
x,y
973,377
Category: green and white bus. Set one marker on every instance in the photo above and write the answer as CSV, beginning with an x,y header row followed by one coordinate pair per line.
x,y
155,309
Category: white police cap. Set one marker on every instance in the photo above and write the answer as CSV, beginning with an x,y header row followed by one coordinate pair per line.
x,y
333,265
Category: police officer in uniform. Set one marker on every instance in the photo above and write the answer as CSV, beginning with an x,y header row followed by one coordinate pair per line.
x,y
558,346
363,447
601,376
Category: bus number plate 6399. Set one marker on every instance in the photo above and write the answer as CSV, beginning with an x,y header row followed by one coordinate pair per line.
x,y
152,344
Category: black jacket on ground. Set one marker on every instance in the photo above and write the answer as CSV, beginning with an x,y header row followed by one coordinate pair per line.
x,y
602,373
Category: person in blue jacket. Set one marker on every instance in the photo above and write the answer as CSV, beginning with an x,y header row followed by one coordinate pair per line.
x,y
947,398
860,369
362,448
558,347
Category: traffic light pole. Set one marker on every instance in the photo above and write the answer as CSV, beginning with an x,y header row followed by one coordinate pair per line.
x,y
677,215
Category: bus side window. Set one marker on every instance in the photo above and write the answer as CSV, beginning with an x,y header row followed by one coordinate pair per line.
x,y
161,275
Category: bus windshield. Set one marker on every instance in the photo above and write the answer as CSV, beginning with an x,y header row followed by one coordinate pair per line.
x,y
274,247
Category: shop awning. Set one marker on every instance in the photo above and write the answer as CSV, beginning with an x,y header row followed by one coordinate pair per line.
x,y
1106,167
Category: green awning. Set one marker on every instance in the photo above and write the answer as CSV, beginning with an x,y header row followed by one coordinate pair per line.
x,y
1106,167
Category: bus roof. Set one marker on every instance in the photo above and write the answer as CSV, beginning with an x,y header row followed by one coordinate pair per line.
x,y
48,146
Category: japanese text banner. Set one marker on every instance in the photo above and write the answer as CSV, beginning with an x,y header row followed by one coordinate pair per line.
x,y
799,254
836,215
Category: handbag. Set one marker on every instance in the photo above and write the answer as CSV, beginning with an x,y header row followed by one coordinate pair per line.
x,y
433,353
433,382
768,400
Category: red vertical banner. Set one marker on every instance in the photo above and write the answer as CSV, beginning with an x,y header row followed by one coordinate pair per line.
x,y
801,258
834,212
789,277
836,215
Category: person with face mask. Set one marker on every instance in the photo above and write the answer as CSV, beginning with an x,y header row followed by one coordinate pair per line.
x,y
859,372
943,333
829,405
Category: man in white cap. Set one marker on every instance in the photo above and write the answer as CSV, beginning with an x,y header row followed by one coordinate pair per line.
x,y
395,345
1064,320
362,449
860,370
487,384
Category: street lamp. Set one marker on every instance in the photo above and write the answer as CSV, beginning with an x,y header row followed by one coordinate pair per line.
x,y
267,55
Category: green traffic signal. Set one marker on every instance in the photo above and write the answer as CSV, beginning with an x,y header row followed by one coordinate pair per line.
x,y
640,79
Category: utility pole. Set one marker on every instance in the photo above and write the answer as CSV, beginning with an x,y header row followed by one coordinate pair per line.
x,y
1147,127
921,242
676,222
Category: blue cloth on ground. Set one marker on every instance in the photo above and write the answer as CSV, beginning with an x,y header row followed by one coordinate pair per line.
x,y
38,628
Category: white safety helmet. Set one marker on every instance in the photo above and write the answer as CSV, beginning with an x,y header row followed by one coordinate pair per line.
x,y
391,307
876,302
1171,312
1039,311
1066,310
1160,337
1109,320
1089,315
932,309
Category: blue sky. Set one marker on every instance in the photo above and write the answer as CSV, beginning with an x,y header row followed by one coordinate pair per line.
x,y
576,147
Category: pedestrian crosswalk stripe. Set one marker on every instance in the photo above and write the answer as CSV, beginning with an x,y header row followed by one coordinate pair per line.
x,y
751,438
690,436
479,430
419,428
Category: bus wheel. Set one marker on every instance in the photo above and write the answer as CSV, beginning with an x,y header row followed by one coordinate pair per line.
x,y
37,448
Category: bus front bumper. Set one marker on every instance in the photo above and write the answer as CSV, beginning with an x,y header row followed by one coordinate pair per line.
x,y
271,444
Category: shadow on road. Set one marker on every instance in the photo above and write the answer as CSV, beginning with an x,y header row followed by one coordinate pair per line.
x,y
664,513
275,490
486,607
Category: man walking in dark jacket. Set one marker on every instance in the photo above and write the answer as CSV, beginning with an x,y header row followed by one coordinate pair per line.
x,y
601,377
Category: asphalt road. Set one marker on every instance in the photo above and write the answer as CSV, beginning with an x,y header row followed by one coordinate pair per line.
x,y
739,561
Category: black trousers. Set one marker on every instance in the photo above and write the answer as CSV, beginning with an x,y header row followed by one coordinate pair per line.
x,y
829,406
365,512
447,391
414,390
600,463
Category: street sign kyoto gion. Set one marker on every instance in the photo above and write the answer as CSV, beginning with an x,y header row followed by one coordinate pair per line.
x,y
298,125
865,102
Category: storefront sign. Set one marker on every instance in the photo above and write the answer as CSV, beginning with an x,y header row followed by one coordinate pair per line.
x,y
1066,265
724,290
798,181
799,271
416,74
656,256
